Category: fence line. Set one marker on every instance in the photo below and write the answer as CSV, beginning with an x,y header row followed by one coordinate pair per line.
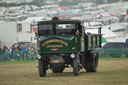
x,y
17,55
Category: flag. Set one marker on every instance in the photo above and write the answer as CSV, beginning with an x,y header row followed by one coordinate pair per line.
x,y
121,0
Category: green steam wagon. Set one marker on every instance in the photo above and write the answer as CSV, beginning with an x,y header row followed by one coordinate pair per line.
x,y
63,43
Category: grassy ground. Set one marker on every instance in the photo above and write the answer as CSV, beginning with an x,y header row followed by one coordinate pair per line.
x,y
110,72
18,62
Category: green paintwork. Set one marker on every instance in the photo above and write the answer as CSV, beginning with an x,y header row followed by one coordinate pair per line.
x,y
80,42
60,44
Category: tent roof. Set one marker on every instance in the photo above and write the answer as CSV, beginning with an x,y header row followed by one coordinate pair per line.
x,y
34,19
106,32
64,8
104,14
121,39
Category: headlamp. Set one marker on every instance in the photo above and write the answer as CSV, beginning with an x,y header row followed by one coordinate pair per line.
x,y
73,55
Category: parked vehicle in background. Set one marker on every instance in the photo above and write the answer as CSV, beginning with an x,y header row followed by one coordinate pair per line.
x,y
113,49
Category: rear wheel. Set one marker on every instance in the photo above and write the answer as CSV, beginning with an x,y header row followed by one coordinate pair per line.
x,y
91,62
76,66
42,69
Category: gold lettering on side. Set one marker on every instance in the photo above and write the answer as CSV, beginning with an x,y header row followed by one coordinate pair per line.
x,y
54,46
54,49
55,40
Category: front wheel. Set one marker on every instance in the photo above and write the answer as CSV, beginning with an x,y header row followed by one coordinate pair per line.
x,y
42,69
76,66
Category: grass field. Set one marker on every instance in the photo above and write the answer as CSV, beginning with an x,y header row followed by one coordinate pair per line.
x,y
110,72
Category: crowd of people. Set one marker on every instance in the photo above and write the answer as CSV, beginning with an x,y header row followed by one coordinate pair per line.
x,y
23,52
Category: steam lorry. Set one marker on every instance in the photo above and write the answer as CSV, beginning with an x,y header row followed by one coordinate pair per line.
x,y
63,43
